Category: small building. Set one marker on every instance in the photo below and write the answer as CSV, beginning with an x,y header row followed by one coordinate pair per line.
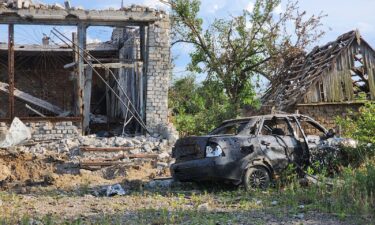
x,y
328,82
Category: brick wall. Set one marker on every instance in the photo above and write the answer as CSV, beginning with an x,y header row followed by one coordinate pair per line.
x,y
326,114
158,75
48,131
42,78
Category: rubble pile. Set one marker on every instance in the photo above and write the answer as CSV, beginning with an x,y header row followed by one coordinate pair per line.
x,y
73,154
71,146
26,4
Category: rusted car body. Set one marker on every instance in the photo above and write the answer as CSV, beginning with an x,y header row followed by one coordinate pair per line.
x,y
251,150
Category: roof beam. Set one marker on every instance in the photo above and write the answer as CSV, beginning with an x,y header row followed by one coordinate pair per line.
x,y
31,99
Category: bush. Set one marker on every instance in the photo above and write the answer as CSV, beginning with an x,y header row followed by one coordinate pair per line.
x,y
355,192
360,125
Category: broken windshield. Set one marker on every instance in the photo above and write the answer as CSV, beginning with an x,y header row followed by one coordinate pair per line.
x,y
234,128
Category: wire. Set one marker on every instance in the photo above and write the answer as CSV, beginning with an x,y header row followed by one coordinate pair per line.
x,y
105,82
113,75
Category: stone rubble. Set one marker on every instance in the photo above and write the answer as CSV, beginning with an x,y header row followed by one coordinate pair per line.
x,y
17,133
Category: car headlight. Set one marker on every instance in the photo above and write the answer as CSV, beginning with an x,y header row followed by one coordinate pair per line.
x,y
213,151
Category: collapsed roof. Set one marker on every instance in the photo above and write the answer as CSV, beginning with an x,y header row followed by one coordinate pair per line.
x,y
292,86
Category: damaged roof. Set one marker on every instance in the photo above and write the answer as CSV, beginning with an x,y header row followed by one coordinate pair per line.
x,y
291,86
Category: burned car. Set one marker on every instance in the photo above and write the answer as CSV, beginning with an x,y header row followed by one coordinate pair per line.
x,y
253,150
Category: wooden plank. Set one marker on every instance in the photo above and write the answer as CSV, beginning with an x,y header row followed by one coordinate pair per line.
x,y
31,99
111,65
112,149
104,163
34,110
143,156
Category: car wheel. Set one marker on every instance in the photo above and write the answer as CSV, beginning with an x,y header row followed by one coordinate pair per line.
x,y
257,178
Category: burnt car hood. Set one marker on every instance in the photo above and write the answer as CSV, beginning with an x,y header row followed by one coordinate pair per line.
x,y
194,147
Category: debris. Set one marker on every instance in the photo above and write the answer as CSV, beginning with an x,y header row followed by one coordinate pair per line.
x,y
301,207
5,173
57,6
115,190
300,216
163,155
98,119
166,183
147,147
204,207
115,171
109,149
67,4
17,134
162,165
274,203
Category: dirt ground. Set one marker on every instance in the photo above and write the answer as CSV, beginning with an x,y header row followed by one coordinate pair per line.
x,y
36,192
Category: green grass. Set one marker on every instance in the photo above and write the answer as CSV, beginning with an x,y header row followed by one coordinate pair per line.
x,y
351,197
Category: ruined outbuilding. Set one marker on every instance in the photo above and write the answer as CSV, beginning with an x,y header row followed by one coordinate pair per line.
x,y
327,82
57,88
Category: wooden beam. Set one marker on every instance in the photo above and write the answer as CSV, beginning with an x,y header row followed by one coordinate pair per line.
x,y
34,110
31,99
143,156
111,149
112,65
103,163
103,65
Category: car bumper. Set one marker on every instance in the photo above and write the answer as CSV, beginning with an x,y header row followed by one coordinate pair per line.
x,y
206,169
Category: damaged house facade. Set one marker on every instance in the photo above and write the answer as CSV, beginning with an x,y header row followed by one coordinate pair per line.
x,y
327,82
70,88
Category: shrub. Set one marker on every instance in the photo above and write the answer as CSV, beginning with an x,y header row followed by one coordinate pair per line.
x,y
360,125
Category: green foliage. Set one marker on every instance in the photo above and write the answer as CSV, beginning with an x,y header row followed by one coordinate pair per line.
x,y
355,192
360,125
199,108
236,51
356,157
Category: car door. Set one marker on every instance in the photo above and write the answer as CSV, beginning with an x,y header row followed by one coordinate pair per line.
x,y
277,141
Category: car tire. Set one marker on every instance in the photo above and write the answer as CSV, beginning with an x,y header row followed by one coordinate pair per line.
x,y
257,178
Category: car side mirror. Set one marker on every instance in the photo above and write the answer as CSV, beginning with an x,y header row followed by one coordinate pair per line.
x,y
331,133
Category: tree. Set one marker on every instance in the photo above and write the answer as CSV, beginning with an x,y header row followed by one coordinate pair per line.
x,y
236,51
198,108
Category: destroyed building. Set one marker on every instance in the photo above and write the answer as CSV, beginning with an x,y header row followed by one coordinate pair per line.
x,y
327,82
64,89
